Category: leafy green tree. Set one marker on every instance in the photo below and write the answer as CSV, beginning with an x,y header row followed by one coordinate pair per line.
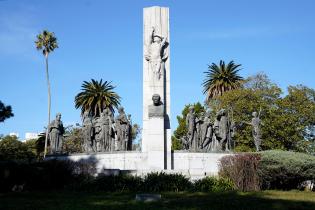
x,y
96,96
221,78
287,121
181,130
5,112
297,117
47,42
13,149
73,140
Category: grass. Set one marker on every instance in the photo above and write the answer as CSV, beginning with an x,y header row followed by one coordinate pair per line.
x,y
60,200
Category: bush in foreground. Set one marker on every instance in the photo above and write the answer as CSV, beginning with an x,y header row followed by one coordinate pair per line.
x,y
268,170
241,169
79,176
285,170
213,184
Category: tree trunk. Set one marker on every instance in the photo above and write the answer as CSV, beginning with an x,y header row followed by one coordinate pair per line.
x,y
49,98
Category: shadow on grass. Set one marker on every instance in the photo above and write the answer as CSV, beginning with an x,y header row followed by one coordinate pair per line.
x,y
231,200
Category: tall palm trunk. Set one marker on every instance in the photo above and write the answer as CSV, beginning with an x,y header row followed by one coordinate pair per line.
x,y
49,98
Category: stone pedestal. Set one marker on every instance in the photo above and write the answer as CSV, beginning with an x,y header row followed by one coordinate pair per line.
x,y
156,144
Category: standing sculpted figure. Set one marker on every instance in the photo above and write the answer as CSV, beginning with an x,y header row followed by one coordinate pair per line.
x,y
121,128
106,129
222,129
206,132
155,54
56,131
87,130
256,122
192,131
97,126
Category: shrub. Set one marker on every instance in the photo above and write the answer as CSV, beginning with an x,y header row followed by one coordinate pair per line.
x,y
213,184
285,170
113,183
157,182
241,169
46,175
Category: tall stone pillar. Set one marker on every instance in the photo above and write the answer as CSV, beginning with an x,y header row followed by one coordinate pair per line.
x,y
156,80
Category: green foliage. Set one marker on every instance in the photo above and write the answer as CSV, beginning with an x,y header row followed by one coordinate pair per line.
x,y
158,182
287,123
46,41
73,140
213,184
5,112
181,130
241,169
296,118
113,183
96,96
285,170
221,78
13,149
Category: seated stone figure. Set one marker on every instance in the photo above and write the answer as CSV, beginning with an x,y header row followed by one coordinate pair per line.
x,y
157,108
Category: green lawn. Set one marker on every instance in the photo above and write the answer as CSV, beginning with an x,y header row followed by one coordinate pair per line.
x,y
100,200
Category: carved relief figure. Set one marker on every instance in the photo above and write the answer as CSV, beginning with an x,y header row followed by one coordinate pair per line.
x,y
155,54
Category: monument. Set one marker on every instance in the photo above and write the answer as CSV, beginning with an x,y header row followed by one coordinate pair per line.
x,y
107,139
156,133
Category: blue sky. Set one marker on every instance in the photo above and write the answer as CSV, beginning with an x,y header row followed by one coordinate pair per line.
x,y
103,39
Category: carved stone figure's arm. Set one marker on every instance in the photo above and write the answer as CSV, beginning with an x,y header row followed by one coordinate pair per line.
x,y
151,35
164,39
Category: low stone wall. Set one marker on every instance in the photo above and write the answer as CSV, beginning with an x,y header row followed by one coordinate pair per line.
x,y
192,165
196,164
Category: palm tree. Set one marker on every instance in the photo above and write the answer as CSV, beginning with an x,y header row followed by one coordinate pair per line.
x,y
221,78
96,96
47,42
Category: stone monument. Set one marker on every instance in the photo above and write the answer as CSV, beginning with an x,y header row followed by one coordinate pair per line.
x,y
156,81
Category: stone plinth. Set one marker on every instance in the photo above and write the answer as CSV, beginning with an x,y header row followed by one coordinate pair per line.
x,y
156,143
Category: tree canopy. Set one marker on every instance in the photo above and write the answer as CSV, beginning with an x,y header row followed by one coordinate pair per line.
x,y
5,112
221,78
46,41
96,96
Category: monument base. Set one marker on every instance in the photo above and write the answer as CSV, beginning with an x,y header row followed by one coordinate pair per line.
x,y
191,165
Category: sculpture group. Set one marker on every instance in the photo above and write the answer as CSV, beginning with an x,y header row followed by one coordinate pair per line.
x,y
204,135
100,134
107,133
